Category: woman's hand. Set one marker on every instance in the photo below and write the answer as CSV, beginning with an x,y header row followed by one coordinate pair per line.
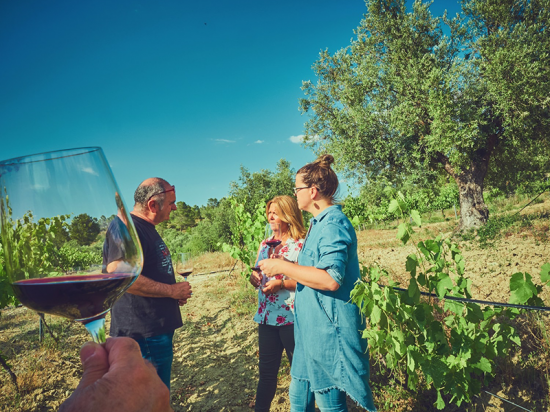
x,y
255,279
273,286
272,267
281,257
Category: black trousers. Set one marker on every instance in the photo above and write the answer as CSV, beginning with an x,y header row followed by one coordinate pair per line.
x,y
272,341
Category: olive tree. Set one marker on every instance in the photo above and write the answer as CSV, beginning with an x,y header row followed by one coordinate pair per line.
x,y
414,92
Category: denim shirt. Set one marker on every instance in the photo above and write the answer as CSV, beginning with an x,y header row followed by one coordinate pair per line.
x,y
329,351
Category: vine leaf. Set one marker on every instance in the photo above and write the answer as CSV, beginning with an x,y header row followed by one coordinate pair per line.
x,y
522,288
393,207
411,264
545,272
416,217
403,233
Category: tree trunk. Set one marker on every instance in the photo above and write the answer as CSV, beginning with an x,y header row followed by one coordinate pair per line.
x,y
473,211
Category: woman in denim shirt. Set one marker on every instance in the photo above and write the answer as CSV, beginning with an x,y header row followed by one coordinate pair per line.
x,y
330,357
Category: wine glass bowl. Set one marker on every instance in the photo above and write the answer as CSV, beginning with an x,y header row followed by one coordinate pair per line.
x,y
52,204
273,234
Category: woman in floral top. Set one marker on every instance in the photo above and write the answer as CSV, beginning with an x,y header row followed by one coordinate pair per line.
x,y
275,315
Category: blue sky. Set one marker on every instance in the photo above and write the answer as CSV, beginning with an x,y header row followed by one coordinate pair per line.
x,y
184,90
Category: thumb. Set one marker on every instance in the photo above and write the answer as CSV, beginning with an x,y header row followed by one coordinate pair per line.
x,y
95,362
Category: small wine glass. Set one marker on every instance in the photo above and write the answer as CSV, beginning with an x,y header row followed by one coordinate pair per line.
x,y
184,265
253,259
49,202
254,266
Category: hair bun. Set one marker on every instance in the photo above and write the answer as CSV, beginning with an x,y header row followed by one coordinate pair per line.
x,y
325,160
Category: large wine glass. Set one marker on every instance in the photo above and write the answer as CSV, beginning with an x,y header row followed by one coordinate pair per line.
x,y
52,206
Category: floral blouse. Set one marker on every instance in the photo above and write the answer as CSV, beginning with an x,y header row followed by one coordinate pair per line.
x,y
277,309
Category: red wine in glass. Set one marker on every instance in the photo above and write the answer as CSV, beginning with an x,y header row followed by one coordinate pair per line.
x,y
184,265
76,297
273,242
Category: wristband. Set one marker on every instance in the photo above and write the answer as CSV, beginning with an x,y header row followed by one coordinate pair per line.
x,y
282,283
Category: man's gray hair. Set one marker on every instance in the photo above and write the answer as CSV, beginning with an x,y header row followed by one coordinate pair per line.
x,y
144,192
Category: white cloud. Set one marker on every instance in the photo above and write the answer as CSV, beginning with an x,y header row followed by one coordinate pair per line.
x,y
259,141
300,138
90,171
224,141
297,139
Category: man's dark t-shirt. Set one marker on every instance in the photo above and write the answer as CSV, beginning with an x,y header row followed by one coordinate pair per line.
x,y
138,316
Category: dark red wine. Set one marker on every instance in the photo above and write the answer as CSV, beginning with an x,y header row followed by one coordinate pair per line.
x,y
273,242
74,297
185,273
256,268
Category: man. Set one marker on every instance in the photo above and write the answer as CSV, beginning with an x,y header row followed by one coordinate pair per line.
x,y
149,311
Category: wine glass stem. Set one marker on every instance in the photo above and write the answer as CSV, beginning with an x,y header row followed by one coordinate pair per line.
x,y
97,329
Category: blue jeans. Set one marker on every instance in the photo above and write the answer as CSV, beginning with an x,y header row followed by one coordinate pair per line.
x,y
303,400
159,351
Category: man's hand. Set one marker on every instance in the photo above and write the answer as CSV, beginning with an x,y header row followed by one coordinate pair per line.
x,y
181,291
117,378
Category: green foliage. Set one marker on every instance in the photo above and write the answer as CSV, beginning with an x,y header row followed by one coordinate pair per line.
x,y
499,225
369,209
6,293
213,228
446,345
206,228
524,291
414,93
37,249
183,218
248,235
253,188
84,229
72,256
32,245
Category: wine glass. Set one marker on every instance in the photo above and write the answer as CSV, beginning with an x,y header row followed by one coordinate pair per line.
x,y
254,266
184,265
273,234
50,204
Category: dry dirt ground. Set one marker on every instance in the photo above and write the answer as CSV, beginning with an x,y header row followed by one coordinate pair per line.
x,y
215,364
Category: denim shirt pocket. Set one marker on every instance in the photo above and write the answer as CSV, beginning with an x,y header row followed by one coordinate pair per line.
x,y
328,304
306,258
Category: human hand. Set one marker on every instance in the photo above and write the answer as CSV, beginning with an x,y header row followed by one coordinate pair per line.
x,y
272,286
255,279
280,257
117,378
182,302
181,291
272,267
